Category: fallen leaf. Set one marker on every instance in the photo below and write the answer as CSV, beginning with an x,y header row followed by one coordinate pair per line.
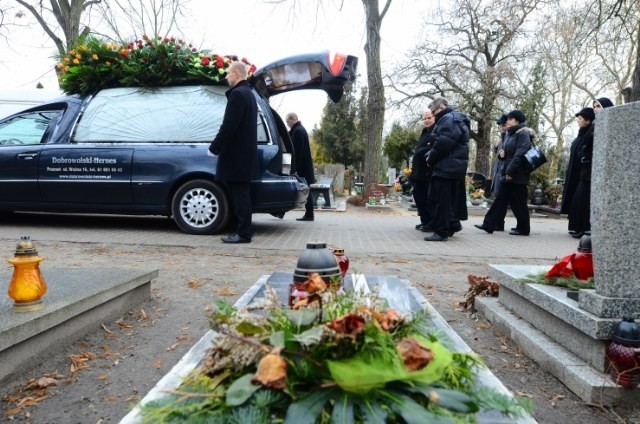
x,y
523,394
173,346
226,292
111,398
103,376
183,338
483,325
45,382
124,324
158,363
194,283
104,327
13,411
132,398
143,314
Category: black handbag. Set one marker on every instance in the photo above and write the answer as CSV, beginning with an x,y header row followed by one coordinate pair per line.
x,y
535,158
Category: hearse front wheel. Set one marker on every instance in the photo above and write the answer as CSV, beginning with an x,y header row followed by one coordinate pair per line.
x,y
200,207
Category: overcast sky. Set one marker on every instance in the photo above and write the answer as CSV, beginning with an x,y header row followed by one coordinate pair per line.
x,y
248,28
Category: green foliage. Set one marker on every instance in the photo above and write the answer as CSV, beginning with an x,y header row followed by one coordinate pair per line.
x,y
338,137
347,362
399,145
571,282
94,64
531,97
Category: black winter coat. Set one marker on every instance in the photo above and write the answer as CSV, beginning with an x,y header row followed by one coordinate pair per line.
x,y
516,143
579,167
302,152
449,156
236,143
419,169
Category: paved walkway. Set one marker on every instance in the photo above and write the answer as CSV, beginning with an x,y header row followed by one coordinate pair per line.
x,y
358,231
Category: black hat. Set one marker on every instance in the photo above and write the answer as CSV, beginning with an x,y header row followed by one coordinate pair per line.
x,y
605,102
517,115
502,120
587,113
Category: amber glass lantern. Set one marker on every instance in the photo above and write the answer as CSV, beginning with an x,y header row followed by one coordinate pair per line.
x,y
27,285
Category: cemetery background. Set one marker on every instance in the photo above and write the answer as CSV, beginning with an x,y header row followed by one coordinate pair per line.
x,y
126,358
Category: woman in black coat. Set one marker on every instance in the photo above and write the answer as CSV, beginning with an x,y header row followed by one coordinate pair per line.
x,y
515,178
576,198
421,174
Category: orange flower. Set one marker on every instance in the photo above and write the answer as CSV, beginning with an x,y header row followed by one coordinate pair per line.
x,y
314,283
349,325
413,354
94,56
272,371
76,61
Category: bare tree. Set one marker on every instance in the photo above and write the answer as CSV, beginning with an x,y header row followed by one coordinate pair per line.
x,y
625,15
127,18
375,97
67,14
472,62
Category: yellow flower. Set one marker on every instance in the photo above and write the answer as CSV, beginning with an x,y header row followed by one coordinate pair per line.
x,y
83,48
76,61
66,69
72,53
65,60
60,66
107,63
95,56
78,56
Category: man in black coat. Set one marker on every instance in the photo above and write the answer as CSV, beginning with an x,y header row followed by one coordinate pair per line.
x,y
421,174
303,160
448,160
237,148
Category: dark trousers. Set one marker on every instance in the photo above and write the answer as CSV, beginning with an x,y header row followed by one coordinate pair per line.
x,y
441,193
580,209
421,197
308,206
514,195
240,193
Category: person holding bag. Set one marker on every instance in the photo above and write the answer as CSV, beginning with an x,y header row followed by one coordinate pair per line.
x,y
514,180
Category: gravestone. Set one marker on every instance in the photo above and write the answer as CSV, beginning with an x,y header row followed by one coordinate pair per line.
x,y
615,211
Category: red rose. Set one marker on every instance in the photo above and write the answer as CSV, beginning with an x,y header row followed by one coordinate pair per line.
x,y
252,69
165,40
219,62
205,61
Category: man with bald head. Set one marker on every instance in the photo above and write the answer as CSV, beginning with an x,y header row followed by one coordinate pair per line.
x,y
303,160
236,145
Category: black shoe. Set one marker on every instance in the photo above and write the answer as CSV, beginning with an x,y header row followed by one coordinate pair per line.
x,y
426,229
577,234
455,229
517,233
235,238
278,214
482,227
435,237
305,218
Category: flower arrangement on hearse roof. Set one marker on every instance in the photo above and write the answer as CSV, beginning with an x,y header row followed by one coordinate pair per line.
x,y
95,64
333,357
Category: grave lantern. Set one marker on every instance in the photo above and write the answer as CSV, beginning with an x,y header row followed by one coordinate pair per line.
x,y
623,354
27,285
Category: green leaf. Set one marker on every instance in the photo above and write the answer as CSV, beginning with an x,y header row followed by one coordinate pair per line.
x,y
310,337
302,317
413,413
307,410
277,339
362,373
373,413
241,390
454,400
343,410
247,329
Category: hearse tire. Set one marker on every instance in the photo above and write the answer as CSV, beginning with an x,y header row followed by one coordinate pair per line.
x,y
200,207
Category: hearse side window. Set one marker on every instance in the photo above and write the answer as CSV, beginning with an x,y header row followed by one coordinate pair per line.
x,y
160,115
27,128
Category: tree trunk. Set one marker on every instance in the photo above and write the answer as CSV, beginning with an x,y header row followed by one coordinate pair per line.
x,y
483,145
375,100
634,93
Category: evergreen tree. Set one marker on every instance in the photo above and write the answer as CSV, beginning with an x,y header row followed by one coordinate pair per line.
x,y
338,137
399,145
532,97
